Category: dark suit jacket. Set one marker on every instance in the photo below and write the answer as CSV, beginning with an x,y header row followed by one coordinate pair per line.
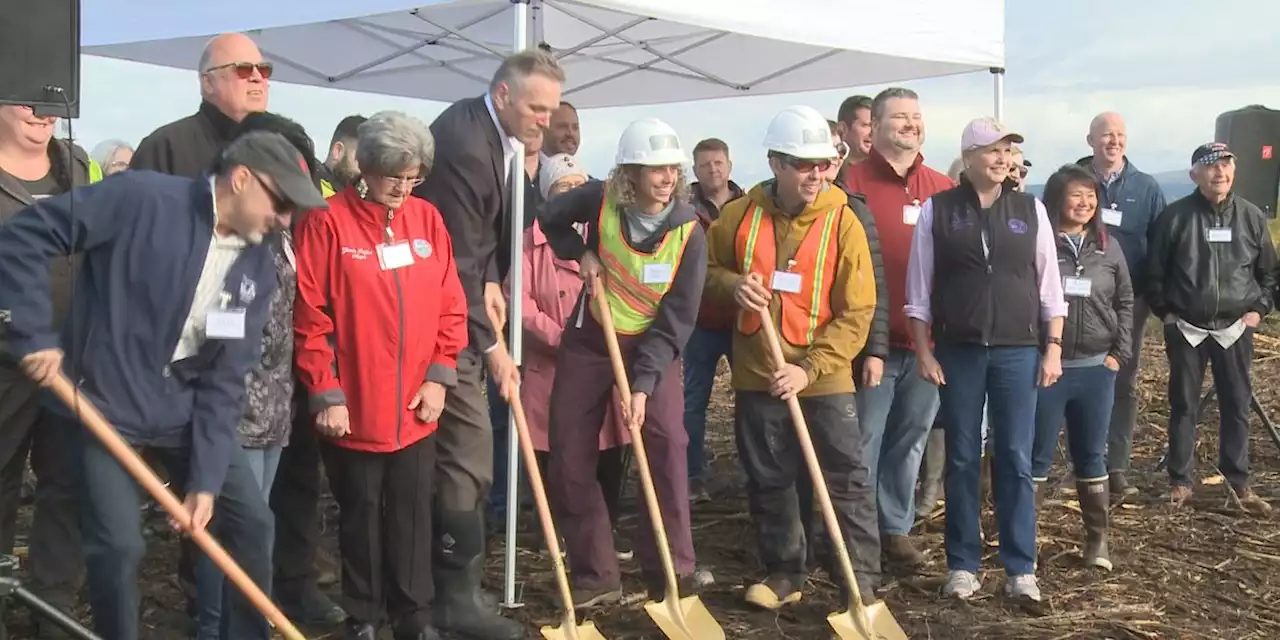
x,y
466,184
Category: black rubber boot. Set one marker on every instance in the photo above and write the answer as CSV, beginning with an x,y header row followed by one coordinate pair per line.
x,y
1094,500
460,606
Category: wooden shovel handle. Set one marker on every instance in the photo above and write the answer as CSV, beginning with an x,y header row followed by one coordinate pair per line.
x,y
129,459
637,442
815,469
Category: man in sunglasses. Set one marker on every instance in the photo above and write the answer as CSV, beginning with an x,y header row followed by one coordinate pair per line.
x,y
793,249
178,282
234,81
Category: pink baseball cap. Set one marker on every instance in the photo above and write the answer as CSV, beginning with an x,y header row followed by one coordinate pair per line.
x,y
984,132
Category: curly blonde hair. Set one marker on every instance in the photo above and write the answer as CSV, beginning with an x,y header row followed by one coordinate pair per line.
x,y
622,185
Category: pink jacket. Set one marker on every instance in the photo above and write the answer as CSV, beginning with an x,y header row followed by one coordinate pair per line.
x,y
551,288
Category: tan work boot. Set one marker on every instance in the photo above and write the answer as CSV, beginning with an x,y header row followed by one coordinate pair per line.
x,y
1179,495
1094,500
1251,502
773,593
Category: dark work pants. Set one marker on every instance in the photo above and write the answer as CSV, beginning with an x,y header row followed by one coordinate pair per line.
x,y
295,499
111,525
609,473
770,452
1124,412
464,442
384,531
579,401
1233,380
54,541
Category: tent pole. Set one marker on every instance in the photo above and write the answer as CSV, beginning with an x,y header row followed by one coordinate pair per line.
x,y
997,73
514,315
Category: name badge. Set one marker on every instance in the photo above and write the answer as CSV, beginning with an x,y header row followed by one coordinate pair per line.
x,y
1077,287
910,214
1220,234
225,324
785,281
1112,217
395,256
656,274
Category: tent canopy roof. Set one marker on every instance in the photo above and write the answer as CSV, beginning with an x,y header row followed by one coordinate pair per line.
x,y
615,52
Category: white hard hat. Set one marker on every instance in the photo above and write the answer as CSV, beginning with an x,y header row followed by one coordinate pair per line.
x,y
801,132
650,142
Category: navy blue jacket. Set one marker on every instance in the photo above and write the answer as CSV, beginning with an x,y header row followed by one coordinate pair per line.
x,y
1138,196
144,237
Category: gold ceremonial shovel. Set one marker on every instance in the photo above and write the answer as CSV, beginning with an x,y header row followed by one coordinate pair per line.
x,y
678,618
859,622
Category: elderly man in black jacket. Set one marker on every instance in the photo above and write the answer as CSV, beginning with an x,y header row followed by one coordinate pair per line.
x,y
1210,277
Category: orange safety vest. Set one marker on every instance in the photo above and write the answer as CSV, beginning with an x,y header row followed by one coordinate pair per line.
x,y
809,309
633,302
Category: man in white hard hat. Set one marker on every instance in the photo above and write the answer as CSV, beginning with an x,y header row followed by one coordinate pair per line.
x,y
793,248
643,238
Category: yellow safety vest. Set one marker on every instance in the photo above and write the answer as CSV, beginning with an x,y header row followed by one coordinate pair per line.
x,y
326,189
95,172
636,281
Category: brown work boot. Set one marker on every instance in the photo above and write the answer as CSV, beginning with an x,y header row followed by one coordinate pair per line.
x,y
774,592
1179,495
1094,500
1251,502
899,551
586,598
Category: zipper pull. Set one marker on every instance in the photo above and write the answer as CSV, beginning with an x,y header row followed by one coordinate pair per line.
x,y
391,235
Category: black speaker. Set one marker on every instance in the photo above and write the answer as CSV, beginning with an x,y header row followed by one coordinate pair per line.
x,y
40,55
1253,133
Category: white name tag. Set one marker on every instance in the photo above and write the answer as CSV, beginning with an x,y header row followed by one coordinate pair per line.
x,y
786,282
1077,287
656,274
225,325
395,256
1112,217
1220,234
910,213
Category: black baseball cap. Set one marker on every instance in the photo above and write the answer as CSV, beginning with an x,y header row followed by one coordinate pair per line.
x,y
1210,152
271,154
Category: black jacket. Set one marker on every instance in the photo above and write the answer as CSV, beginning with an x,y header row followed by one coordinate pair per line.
x,y
1103,321
186,147
466,184
1210,284
878,339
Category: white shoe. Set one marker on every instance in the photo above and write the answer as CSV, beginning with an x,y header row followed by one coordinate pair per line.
x,y
1023,587
961,585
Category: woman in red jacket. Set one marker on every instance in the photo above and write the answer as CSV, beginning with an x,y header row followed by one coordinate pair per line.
x,y
379,320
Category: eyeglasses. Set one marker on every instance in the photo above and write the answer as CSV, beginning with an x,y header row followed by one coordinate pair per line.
x,y
279,203
842,149
244,70
805,166
401,181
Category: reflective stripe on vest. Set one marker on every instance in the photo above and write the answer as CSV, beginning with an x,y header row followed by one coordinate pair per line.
x,y
95,171
808,310
633,303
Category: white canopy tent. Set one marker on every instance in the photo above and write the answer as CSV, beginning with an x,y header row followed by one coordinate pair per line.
x,y
615,53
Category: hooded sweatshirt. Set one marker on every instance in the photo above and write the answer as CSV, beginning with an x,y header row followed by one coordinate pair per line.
x,y
829,359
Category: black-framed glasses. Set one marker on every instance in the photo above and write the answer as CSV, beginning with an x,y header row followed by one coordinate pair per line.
x,y
279,203
244,70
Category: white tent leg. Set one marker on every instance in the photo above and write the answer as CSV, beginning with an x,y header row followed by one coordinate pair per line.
x,y
514,314
998,74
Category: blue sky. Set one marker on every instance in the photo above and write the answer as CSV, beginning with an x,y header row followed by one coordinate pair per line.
x,y
1169,66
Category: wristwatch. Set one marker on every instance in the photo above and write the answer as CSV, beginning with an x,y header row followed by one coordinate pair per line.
x,y
1053,340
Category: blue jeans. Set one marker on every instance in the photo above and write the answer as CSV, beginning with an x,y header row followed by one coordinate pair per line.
x,y
701,357
209,579
896,418
1084,395
1006,378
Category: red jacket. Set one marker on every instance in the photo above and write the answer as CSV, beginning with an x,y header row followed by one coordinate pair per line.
x,y
392,329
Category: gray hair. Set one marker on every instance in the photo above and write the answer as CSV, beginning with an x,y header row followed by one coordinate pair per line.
x,y
106,150
883,98
391,142
957,168
516,68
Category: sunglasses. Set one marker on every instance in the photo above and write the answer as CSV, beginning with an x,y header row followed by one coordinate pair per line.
x,y
244,70
279,203
805,166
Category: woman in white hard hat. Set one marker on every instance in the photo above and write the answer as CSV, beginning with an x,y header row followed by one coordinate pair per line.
x,y
642,237
793,248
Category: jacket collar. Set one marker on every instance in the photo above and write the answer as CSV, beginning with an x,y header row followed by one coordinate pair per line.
x,y
879,163
223,126
10,185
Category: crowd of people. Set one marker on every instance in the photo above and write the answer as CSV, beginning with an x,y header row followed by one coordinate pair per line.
x,y
249,317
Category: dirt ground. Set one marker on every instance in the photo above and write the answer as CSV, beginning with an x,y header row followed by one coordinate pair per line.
x,y
1206,572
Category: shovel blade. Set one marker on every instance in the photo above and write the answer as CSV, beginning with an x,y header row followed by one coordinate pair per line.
x,y
570,631
880,624
684,619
